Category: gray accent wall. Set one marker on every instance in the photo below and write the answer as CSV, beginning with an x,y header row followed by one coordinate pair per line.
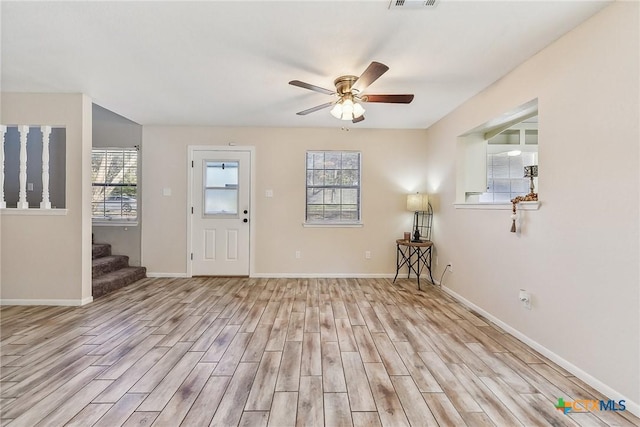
x,y
113,130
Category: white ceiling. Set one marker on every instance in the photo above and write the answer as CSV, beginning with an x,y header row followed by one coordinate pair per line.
x,y
228,63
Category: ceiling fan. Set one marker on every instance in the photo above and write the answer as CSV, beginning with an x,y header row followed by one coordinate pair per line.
x,y
349,93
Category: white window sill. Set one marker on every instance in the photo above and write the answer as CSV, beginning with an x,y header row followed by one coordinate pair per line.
x,y
114,223
523,206
33,212
332,224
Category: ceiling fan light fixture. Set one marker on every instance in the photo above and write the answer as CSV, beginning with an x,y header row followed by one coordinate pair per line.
x,y
336,111
358,110
346,109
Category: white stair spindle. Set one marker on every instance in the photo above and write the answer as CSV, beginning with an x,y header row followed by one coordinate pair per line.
x,y
22,195
46,133
3,133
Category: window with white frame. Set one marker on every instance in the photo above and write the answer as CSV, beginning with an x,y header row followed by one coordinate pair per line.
x,y
333,187
114,181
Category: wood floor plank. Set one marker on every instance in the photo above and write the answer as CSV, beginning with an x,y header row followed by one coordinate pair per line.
x,y
261,392
186,394
415,408
270,312
221,343
346,340
389,407
514,402
89,415
459,396
253,351
254,419
310,402
327,323
360,397
366,419
332,371
366,346
495,409
120,366
161,394
443,410
131,376
42,408
140,419
75,403
417,369
296,326
234,399
278,335
121,410
156,374
253,318
207,402
289,373
515,381
336,410
232,356
390,357
283,409
312,319
311,363
257,344
209,335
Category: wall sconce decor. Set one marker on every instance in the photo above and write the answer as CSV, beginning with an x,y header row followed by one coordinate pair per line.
x,y
423,214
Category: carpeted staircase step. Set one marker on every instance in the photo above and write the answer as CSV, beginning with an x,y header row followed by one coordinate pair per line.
x,y
107,264
100,249
117,279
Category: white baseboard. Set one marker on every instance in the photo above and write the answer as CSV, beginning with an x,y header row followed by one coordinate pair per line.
x,y
58,302
631,406
322,275
154,274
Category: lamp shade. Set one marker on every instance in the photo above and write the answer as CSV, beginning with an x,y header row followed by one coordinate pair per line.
x,y
417,202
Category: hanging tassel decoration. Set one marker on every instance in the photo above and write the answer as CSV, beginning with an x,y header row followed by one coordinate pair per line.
x,y
513,217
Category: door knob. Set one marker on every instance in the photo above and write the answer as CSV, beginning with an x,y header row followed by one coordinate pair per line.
x,y
246,211
245,220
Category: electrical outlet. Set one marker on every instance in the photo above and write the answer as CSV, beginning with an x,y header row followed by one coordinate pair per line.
x,y
367,254
525,298
298,255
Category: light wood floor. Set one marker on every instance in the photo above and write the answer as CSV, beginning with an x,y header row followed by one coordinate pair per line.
x,y
280,352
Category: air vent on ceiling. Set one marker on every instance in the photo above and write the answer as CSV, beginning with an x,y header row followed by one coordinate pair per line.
x,y
413,4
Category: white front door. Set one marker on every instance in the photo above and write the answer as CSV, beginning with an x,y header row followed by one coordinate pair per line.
x,y
220,192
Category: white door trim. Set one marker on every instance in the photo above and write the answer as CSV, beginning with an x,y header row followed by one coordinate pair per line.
x,y
252,197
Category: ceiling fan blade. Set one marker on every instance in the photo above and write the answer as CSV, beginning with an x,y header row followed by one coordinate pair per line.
x,y
370,75
311,87
316,108
358,119
391,99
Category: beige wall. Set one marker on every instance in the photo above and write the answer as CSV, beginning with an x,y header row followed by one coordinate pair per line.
x,y
390,169
48,258
578,255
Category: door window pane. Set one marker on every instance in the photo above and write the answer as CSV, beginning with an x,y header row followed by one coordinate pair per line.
x,y
220,201
221,188
222,174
